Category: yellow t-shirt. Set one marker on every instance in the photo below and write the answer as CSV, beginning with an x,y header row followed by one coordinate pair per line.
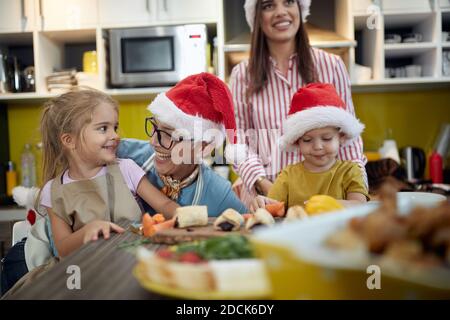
x,y
295,184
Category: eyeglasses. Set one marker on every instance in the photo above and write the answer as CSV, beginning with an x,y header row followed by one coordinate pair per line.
x,y
165,139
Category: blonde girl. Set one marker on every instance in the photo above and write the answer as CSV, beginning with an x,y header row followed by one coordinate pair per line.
x,y
87,189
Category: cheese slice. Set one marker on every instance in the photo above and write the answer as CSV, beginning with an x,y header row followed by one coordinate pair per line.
x,y
248,275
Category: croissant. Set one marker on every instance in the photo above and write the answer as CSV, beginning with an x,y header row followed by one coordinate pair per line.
x,y
229,220
260,217
296,213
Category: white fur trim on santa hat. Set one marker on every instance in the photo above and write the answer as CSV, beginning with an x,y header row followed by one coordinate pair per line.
x,y
25,197
318,117
165,111
236,153
250,8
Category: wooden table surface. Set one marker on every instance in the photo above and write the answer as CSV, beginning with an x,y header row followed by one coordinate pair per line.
x,y
106,273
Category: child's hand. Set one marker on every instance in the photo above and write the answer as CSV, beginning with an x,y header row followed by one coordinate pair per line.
x,y
96,227
260,202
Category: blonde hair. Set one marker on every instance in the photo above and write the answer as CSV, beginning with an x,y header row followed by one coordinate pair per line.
x,y
69,113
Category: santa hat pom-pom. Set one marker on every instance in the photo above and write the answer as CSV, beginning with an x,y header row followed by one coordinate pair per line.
x,y
25,197
235,153
31,216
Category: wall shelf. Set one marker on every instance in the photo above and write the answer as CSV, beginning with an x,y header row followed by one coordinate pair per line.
x,y
16,38
26,96
406,49
414,80
401,84
238,43
402,18
399,19
124,94
120,94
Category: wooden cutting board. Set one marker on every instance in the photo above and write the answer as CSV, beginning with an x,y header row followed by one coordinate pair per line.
x,y
175,235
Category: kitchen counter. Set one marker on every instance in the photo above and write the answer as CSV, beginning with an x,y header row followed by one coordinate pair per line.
x,y
12,213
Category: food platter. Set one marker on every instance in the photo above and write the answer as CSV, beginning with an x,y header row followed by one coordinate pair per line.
x,y
301,266
421,198
166,290
179,235
409,199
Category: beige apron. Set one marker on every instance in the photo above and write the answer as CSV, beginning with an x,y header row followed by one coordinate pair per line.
x,y
105,198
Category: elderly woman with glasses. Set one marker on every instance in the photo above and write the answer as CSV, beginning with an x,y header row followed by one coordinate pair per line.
x,y
183,120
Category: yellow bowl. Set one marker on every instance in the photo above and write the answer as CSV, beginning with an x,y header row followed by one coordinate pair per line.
x,y
301,267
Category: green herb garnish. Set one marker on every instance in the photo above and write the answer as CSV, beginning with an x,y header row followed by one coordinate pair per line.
x,y
220,248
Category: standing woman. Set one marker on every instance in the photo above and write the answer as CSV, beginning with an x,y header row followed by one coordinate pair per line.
x,y
281,61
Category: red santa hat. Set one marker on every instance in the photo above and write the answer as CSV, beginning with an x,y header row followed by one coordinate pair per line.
x,y
250,9
196,105
314,106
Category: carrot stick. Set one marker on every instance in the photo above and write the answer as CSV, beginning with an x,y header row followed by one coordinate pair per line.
x,y
276,209
148,225
164,225
158,218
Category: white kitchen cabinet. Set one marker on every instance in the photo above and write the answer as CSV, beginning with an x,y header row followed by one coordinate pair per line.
x,y
187,10
407,5
361,6
68,14
63,30
117,13
113,13
17,15
386,60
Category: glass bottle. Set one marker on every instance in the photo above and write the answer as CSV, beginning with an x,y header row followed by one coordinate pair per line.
x,y
11,179
28,166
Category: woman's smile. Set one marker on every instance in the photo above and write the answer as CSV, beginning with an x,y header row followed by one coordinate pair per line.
x,y
162,155
282,25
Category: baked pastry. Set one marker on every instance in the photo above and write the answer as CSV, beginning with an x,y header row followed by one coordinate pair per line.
x,y
191,216
229,220
260,217
296,213
419,238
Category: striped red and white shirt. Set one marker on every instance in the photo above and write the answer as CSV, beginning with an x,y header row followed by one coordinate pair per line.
x,y
269,108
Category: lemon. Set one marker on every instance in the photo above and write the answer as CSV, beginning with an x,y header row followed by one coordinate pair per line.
x,y
322,203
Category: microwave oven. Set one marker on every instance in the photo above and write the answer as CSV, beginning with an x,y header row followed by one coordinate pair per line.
x,y
156,56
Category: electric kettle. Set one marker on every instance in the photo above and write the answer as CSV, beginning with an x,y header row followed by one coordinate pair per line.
x,y
414,162
3,79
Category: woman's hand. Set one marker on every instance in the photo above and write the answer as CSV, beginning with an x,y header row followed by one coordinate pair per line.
x,y
264,186
260,202
96,227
